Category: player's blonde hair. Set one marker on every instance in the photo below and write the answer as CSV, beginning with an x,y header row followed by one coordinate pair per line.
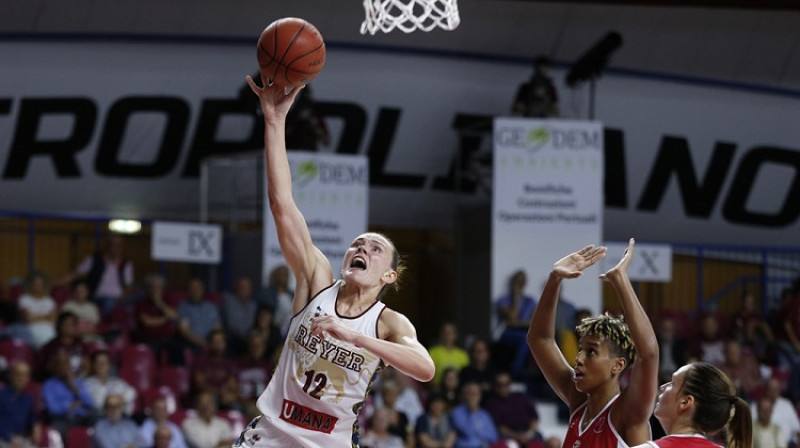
x,y
615,332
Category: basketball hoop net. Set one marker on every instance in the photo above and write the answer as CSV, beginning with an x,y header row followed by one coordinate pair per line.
x,y
409,15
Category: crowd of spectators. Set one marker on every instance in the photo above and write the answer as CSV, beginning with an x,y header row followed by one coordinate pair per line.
x,y
183,368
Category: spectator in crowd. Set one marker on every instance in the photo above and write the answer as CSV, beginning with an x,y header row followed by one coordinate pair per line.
x,y
114,430
409,400
515,309
447,353
278,296
450,388
158,417
743,370
206,430
162,437
752,331
213,372
473,425
538,96
783,412
103,382
565,313
38,310
709,346
18,421
87,312
480,369
766,434
66,341
264,325
108,273
567,338
238,308
378,434
253,372
673,349
789,343
157,322
197,316
513,413
397,421
433,428
67,398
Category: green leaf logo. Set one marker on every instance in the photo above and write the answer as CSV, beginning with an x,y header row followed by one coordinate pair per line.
x,y
305,173
538,137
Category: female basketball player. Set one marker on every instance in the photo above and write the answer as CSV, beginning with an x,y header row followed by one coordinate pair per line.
x,y
340,333
701,401
601,414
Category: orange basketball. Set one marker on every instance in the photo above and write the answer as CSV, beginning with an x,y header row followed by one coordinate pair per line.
x,y
291,52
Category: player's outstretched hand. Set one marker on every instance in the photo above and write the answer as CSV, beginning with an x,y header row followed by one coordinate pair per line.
x,y
275,100
573,264
622,267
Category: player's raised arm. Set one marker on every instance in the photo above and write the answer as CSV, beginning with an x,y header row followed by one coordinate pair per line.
x,y
309,265
638,399
542,331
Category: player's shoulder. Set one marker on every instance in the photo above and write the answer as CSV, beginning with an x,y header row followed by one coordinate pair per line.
x,y
393,323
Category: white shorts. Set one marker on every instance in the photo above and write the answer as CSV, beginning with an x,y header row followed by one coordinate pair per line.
x,y
258,435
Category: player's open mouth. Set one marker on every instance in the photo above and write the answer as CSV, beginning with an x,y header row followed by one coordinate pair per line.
x,y
358,263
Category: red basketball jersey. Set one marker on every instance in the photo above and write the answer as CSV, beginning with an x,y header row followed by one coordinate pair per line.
x,y
599,433
684,441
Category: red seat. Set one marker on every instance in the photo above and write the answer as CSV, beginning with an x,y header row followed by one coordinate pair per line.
x,y
213,297
35,389
176,378
60,294
124,318
50,438
782,374
138,366
79,437
235,419
15,291
16,349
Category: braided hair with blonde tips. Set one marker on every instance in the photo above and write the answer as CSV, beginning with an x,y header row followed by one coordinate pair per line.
x,y
614,330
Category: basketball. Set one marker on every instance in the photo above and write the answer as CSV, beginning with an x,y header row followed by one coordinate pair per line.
x,y
291,52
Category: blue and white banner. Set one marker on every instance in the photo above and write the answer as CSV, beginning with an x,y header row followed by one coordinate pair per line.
x,y
332,193
547,201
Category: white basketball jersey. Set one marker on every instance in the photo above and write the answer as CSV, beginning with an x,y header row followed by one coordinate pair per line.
x,y
320,384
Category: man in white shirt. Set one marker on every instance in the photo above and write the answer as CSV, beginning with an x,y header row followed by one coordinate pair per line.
x,y
783,413
206,430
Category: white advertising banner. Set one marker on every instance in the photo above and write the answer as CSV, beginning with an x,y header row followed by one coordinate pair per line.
x,y
650,262
124,131
547,202
332,193
190,242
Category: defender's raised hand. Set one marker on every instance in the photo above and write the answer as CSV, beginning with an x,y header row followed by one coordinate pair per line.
x,y
575,263
621,267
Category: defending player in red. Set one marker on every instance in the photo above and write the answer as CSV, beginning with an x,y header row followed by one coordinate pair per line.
x,y
602,415
699,402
